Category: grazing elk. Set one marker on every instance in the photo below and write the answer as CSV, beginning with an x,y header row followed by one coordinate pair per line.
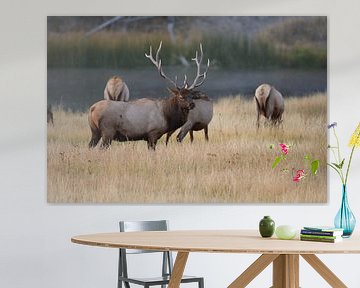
x,y
116,90
50,115
199,117
269,103
143,119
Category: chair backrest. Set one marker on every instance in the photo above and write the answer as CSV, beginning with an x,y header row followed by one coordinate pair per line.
x,y
134,226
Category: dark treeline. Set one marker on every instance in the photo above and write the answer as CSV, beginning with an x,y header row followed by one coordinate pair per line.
x,y
297,42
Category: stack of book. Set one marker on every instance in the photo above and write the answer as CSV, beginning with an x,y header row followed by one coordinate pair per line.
x,y
321,234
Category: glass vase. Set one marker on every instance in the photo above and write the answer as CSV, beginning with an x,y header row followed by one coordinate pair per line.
x,y
345,219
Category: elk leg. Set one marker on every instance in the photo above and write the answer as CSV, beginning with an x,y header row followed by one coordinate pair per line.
x,y
151,145
191,135
168,135
107,138
206,133
94,140
183,131
258,120
95,137
276,119
105,143
151,142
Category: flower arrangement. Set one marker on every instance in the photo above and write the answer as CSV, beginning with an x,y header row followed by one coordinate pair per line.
x,y
344,218
339,163
312,165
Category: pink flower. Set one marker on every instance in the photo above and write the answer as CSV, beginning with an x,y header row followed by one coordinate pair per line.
x,y
284,148
300,174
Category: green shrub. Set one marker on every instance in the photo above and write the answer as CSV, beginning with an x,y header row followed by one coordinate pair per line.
x,y
126,50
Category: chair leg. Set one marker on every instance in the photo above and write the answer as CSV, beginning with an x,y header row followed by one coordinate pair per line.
x,y
201,283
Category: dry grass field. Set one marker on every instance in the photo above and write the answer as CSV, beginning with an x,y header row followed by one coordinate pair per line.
x,y
233,167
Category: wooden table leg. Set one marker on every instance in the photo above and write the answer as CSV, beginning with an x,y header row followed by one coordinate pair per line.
x,y
324,271
178,270
253,270
286,271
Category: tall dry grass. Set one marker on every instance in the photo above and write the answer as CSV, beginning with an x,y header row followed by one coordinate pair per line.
x,y
233,167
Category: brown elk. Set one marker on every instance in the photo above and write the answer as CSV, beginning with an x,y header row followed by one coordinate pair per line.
x,y
116,90
143,119
50,115
269,103
199,117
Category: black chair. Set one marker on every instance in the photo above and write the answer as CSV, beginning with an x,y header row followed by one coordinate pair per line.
x,y
167,265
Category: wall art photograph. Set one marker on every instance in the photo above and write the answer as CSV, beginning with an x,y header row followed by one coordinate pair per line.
x,y
170,109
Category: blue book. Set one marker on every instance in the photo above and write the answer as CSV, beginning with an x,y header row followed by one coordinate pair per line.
x,y
322,231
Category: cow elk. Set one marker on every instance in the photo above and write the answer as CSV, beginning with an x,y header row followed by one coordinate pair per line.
x,y
116,90
199,117
50,115
142,119
269,103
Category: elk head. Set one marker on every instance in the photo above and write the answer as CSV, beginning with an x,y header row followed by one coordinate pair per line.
x,y
183,100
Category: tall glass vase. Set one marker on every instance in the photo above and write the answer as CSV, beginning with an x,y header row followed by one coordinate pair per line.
x,y
345,219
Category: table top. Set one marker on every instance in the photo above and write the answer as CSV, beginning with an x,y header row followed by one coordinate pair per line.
x,y
217,241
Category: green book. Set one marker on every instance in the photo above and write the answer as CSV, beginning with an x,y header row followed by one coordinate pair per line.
x,y
325,240
319,236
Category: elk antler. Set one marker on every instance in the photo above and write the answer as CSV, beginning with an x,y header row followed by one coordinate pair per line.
x,y
201,76
157,63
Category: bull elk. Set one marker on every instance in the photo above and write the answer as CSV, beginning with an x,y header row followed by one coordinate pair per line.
x,y
116,90
143,119
269,103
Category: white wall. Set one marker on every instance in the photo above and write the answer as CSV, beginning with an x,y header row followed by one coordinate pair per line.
x,y
35,248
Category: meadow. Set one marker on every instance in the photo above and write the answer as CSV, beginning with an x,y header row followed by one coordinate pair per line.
x,y
235,166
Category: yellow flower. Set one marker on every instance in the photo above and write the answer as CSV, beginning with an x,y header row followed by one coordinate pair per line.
x,y
355,138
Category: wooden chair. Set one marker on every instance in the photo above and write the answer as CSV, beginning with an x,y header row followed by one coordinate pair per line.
x,y
167,262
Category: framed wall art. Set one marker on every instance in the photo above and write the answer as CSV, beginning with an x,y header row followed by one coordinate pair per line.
x,y
170,109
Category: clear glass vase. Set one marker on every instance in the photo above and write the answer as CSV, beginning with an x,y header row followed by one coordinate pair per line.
x,y
345,219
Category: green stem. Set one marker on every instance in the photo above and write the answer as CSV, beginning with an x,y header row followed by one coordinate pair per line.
x,y
337,171
339,159
336,160
348,167
338,146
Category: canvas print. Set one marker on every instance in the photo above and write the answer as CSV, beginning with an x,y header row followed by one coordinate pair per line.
x,y
170,109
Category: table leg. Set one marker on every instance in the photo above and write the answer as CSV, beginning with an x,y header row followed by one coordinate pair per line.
x,y
253,270
324,271
286,271
178,269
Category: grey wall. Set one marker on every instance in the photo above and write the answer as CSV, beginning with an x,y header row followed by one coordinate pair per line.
x,y
35,248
